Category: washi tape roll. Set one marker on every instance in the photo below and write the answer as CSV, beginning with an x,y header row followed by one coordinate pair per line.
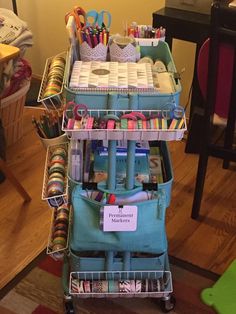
x,y
75,285
59,151
81,286
124,286
80,111
132,286
138,286
60,226
104,286
59,233
56,175
97,286
57,158
113,286
63,208
87,286
54,190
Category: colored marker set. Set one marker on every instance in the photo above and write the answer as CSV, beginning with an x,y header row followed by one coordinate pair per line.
x,y
145,31
93,36
48,125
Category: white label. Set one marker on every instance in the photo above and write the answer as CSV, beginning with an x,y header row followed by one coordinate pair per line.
x,y
117,218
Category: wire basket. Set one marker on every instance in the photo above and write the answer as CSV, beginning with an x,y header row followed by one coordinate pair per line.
x,y
11,114
52,102
153,134
58,200
58,254
121,284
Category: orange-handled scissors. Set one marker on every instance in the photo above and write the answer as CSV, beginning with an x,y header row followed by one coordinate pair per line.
x,y
79,15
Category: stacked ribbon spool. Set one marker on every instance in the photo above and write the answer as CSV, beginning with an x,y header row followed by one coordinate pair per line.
x,y
117,286
57,172
55,76
60,228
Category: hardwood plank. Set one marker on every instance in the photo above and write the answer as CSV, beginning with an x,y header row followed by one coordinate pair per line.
x,y
45,289
21,304
24,227
201,242
5,311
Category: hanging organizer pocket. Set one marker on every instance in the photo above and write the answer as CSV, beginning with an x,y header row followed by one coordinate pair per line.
x,y
149,235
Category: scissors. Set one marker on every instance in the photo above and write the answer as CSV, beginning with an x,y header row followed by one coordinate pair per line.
x,y
171,110
79,15
75,111
97,19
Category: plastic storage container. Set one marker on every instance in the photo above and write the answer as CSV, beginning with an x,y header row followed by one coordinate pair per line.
x,y
126,99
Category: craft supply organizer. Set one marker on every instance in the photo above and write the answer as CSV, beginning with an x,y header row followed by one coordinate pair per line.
x,y
52,102
58,252
61,197
129,98
121,284
159,128
101,260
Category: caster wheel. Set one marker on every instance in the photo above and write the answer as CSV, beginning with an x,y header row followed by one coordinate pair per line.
x,y
68,306
168,304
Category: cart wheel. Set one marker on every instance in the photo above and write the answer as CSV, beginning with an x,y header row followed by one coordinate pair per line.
x,y
69,309
168,305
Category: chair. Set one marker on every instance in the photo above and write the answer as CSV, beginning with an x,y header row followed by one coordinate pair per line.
x,y
220,94
11,177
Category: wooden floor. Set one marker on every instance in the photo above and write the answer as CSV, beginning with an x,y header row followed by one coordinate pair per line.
x,y
24,227
209,243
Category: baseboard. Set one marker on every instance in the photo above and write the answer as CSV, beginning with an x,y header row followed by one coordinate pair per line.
x,y
37,77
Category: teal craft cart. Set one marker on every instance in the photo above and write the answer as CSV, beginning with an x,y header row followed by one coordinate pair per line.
x,y
117,243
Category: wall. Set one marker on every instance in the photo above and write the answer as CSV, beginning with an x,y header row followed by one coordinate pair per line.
x,y
45,19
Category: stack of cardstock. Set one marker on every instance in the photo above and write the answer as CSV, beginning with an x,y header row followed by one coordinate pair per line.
x,y
98,74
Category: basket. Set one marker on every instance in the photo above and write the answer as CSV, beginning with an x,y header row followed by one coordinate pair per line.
x,y
11,113
125,54
98,53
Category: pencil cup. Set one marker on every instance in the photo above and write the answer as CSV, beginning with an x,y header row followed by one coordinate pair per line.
x,y
98,53
126,53
54,141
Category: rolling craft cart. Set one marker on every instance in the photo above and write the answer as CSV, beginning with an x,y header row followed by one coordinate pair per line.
x,y
116,243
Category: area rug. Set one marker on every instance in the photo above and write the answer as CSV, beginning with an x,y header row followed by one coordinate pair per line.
x,y
40,292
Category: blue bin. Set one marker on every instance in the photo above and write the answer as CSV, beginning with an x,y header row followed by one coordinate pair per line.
x,y
139,100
